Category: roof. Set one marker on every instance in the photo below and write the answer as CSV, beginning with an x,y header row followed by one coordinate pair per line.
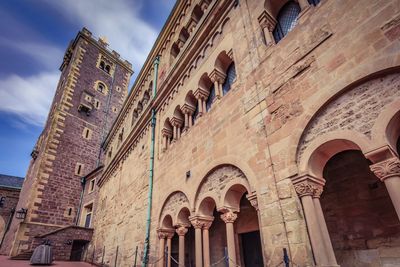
x,y
11,181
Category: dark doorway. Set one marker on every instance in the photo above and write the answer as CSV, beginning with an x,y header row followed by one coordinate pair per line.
x,y
78,247
251,249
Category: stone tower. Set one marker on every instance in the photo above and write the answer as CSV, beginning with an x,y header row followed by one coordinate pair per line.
x,y
92,88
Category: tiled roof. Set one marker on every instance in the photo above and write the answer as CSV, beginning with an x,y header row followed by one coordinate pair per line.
x,y
11,181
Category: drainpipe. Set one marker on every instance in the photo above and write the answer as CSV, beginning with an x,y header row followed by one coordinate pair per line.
x,y
151,173
83,183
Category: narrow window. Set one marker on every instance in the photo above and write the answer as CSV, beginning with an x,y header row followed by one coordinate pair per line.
x,y
92,183
195,113
69,211
87,133
230,78
101,87
79,169
102,65
210,98
287,20
97,103
107,69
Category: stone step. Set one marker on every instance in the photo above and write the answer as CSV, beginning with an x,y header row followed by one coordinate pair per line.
x,y
26,255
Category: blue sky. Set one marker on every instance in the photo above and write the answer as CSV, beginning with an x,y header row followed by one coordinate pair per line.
x,y
34,36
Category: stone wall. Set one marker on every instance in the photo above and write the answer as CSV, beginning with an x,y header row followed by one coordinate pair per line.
x,y
257,125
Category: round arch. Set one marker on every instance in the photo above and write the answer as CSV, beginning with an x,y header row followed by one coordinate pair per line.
x,y
374,69
313,159
173,205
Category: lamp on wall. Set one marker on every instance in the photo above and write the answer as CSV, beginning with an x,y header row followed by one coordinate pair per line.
x,y
21,214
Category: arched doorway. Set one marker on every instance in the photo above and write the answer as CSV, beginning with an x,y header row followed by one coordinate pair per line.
x,y
359,213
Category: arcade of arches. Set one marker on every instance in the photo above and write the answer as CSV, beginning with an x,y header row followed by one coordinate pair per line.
x,y
223,222
348,184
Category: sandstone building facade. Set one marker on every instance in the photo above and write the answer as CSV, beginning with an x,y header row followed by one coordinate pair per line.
x,y
258,130
92,87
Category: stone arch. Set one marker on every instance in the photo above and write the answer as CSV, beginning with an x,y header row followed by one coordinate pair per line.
x,y
223,61
232,195
389,119
182,217
214,184
355,109
205,82
370,70
167,222
207,205
172,206
313,159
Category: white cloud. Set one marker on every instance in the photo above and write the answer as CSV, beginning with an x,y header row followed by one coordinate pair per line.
x,y
47,55
28,97
119,21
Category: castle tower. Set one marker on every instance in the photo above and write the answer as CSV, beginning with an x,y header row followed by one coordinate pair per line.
x,y
92,88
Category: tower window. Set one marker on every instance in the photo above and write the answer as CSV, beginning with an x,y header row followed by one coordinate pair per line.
x,y
78,169
230,78
91,186
87,133
102,65
101,88
97,103
210,98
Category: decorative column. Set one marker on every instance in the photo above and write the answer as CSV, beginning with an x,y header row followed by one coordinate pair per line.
x,y
388,171
181,231
229,218
206,242
218,78
188,111
197,225
161,235
177,124
170,235
267,23
305,187
201,95
166,133
324,229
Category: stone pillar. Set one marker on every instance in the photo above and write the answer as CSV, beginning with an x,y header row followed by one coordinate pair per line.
x,y
324,229
197,225
388,171
181,231
305,187
267,23
175,133
167,133
186,127
229,218
169,237
161,236
206,243
200,106
218,78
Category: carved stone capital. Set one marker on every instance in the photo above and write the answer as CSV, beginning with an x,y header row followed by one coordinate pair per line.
x,y
181,230
217,76
229,217
201,222
166,132
267,21
177,122
165,233
201,93
386,169
188,109
253,200
308,185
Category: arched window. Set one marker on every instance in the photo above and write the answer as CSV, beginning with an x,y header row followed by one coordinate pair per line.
x,y
107,69
210,98
101,87
102,65
287,20
230,78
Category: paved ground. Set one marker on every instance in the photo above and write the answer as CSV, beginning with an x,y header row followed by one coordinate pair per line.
x,y
5,262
